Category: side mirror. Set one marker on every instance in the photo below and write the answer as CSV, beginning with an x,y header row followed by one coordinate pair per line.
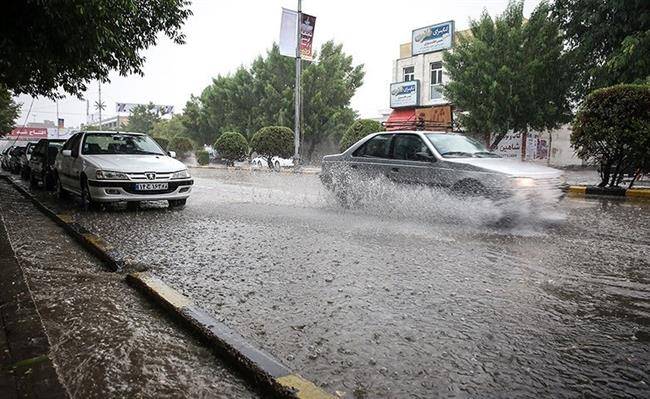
x,y
425,156
171,154
66,153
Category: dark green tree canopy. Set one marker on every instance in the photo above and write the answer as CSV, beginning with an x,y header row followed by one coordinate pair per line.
x,y
182,145
608,41
509,74
143,118
358,130
231,146
63,44
8,111
612,127
273,141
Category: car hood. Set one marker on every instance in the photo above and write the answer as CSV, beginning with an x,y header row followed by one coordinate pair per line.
x,y
510,167
136,163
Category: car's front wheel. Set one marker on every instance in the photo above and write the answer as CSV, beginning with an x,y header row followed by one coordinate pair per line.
x,y
179,203
32,180
86,199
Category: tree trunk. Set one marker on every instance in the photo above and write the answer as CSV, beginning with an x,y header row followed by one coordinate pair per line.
x,y
524,143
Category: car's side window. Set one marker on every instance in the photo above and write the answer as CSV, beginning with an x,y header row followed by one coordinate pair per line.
x,y
74,146
69,142
376,147
411,147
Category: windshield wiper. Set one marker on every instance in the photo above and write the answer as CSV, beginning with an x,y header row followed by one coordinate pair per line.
x,y
488,153
147,152
461,153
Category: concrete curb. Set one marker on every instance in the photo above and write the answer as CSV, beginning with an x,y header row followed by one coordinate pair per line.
x,y
287,171
264,369
261,366
635,193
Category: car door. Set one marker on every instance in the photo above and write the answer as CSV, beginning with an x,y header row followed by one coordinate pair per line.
x,y
64,167
412,161
37,159
372,159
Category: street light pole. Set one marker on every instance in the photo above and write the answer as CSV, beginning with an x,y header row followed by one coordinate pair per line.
x,y
100,105
296,133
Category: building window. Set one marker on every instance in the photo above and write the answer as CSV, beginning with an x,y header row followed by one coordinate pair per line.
x,y
436,80
409,74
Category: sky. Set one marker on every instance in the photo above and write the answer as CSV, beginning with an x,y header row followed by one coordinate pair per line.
x,y
223,35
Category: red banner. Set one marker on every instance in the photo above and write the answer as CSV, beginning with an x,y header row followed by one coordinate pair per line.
x,y
28,133
307,26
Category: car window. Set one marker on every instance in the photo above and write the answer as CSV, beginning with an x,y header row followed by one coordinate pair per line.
x,y
376,147
116,143
69,144
407,147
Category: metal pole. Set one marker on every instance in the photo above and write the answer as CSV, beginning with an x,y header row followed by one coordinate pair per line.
x,y
58,132
99,105
296,133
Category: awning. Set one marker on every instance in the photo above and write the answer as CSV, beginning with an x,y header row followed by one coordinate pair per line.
x,y
401,119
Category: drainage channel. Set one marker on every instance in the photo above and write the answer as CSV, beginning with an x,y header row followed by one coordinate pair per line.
x,y
262,368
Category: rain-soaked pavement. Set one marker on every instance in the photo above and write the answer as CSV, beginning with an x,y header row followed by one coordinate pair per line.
x,y
416,295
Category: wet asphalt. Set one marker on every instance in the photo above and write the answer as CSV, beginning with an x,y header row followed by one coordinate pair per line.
x,y
415,294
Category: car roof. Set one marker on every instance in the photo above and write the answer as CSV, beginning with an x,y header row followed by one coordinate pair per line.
x,y
111,132
418,131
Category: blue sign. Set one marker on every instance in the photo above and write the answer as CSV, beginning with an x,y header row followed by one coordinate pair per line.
x,y
432,38
405,94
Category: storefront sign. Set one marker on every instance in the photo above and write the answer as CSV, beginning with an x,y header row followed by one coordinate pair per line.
x,y
432,38
405,94
28,133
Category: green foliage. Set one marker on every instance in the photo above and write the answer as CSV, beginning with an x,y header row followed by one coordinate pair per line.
x,y
162,141
608,42
612,127
509,74
202,157
231,146
143,118
273,141
358,130
182,145
52,45
169,128
8,111
263,95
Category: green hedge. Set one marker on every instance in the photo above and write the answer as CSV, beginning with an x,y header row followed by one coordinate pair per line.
x,y
612,128
202,157
273,141
358,130
231,146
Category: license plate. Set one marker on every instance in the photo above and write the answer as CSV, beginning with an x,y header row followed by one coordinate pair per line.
x,y
151,186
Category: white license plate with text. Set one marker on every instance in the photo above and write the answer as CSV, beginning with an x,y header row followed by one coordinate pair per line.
x,y
151,186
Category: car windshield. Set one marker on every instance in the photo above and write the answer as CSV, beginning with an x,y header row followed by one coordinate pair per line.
x,y
117,143
459,146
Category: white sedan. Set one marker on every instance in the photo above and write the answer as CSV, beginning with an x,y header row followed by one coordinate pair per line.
x,y
277,162
115,166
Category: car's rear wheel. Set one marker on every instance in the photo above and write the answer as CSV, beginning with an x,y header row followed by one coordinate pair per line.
x,y
179,203
48,181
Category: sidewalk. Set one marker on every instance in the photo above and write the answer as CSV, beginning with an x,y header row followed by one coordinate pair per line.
x,y
26,370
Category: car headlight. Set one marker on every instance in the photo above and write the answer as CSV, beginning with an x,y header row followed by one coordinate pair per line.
x,y
110,175
523,182
181,174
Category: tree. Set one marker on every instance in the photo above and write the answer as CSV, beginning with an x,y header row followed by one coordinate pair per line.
x,y
509,74
195,122
52,45
263,95
8,111
143,118
162,141
202,157
231,146
612,127
358,130
182,145
169,128
608,42
273,141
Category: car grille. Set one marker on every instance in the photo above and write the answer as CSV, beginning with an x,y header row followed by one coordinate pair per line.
x,y
143,176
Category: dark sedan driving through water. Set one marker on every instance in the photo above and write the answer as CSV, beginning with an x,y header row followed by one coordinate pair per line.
x,y
438,159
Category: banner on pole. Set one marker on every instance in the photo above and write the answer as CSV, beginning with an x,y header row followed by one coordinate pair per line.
x,y
128,107
288,36
61,123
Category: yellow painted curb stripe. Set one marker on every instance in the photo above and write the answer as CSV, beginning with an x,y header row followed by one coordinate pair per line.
x,y
578,189
98,242
165,292
304,389
638,193
65,217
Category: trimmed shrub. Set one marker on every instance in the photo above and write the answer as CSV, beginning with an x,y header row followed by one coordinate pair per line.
x,y
273,141
163,142
612,128
202,157
182,145
358,130
231,146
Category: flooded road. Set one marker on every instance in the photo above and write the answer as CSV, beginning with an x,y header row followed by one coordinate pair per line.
x,y
413,296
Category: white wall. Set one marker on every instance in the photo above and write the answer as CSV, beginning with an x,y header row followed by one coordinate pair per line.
x,y
422,64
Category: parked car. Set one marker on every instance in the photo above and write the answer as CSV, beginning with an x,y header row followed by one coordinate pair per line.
x,y
116,166
41,163
24,160
4,157
277,162
14,159
438,159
